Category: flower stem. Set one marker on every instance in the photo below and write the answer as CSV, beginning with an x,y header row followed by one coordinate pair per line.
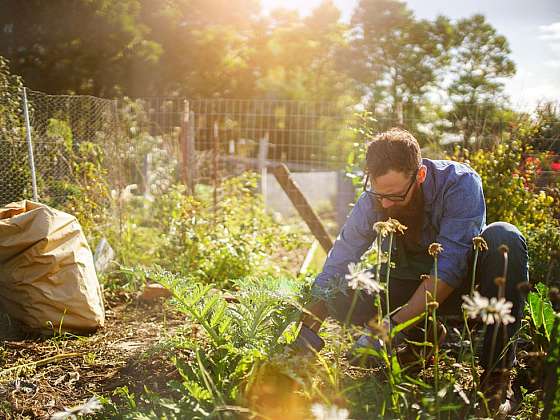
x,y
352,307
436,343
387,303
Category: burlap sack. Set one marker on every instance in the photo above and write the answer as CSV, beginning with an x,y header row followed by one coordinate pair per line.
x,y
47,275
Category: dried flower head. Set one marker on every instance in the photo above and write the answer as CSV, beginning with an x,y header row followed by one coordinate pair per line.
x,y
435,249
524,287
424,277
500,281
479,243
504,249
383,228
332,412
554,295
362,280
491,311
433,305
397,226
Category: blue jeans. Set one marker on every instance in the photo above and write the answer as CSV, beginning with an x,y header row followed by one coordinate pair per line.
x,y
489,266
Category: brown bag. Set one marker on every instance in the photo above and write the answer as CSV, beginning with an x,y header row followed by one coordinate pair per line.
x,y
47,274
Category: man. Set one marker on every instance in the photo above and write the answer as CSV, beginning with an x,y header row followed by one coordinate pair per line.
x,y
439,201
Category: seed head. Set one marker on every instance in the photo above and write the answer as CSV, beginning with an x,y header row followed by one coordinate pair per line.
x,y
424,277
524,287
383,228
435,249
554,295
504,249
479,243
500,281
397,226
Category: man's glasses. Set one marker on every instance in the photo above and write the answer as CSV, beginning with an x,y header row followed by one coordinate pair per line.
x,y
390,197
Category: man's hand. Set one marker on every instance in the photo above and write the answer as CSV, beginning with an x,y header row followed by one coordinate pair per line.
x,y
417,303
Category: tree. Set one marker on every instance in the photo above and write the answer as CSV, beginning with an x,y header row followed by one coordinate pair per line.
x,y
396,58
480,61
76,46
207,49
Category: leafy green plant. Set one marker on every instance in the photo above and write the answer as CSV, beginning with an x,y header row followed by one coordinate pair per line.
x,y
541,311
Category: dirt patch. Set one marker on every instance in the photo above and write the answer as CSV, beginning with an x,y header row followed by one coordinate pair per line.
x,y
39,376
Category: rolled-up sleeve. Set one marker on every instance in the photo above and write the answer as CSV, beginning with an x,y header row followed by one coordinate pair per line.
x,y
354,239
463,217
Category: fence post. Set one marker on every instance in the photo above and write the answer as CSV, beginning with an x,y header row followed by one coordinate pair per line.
x,y
186,141
30,146
261,165
191,151
302,206
215,147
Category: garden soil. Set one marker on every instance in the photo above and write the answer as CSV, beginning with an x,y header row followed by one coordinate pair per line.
x,y
41,376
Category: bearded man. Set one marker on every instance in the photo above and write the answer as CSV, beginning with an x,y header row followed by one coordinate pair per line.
x,y
440,201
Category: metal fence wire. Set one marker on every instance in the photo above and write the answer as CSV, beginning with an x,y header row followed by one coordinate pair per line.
x,y
149,144
61,125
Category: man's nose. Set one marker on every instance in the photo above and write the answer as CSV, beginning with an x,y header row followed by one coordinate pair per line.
x,y
385,203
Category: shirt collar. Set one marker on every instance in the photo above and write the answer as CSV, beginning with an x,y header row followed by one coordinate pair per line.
x,y
428,186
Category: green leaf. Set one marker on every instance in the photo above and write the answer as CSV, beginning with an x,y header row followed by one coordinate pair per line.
x,y
535,309
399,327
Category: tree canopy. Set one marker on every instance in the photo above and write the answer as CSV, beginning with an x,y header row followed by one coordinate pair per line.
x,y
385,59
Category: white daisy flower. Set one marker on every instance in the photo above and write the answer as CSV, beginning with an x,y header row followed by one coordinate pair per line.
x,y
363,280
322,412
491,311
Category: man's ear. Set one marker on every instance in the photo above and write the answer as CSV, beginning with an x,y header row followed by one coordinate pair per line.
x,y
421,177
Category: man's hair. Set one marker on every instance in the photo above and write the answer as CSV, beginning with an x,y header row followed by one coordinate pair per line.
x,y
395,149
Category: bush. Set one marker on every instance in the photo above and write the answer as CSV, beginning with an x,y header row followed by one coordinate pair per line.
x,y
220,245
15,176
188,236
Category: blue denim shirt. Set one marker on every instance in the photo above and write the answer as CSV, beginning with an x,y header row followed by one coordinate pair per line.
x,y
455,212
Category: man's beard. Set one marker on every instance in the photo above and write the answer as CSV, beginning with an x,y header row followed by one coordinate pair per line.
x,y
412,215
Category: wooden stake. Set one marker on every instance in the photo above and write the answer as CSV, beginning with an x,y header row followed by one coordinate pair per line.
x,y
284,178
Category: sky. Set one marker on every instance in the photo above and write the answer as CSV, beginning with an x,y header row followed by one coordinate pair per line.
x,y
532,28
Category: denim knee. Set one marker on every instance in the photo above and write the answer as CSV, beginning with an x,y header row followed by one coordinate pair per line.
x,y
492,262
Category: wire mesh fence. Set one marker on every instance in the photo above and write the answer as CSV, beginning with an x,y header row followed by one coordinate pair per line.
x,y
147,145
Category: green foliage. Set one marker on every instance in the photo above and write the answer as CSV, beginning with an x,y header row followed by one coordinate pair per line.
x,y
220,244
188,236
552,375
82,39
480,61
541,310
235,338
509,188
395,59
15,175
75,180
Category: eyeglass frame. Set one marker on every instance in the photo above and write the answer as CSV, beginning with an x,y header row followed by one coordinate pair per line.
x,y
391,197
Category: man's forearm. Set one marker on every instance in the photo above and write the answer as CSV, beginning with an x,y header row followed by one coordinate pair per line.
x,y
417,303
